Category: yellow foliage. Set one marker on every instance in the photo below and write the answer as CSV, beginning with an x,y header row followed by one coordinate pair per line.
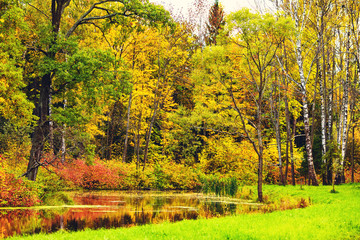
x,y
225,156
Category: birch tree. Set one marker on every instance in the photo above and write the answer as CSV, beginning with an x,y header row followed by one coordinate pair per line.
x,y
299,12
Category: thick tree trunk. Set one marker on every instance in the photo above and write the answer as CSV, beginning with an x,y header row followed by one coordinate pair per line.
x,y
42,130
312,173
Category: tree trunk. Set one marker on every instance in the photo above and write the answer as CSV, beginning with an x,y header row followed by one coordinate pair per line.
x,y
343,126
63,144
138,138
312,173
288,136
292,153
323,126
148,135
275,120
127,128
353,153
260,158
153,117
42,130
330,114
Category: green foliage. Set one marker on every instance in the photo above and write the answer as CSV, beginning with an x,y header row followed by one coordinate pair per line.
x,y
185,141
14,105
250,25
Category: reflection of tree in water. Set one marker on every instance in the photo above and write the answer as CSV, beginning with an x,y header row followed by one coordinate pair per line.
x,y
218,208
118,211
214,208
232,208
19,221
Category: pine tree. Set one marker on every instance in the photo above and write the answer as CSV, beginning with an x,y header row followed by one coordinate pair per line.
x,y
216,22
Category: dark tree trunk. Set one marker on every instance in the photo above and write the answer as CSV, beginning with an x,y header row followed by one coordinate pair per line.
x,y
292,154
260,158
127,128
42,131
352,154
288,137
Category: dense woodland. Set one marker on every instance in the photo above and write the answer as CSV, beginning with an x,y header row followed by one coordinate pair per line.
x,y
127,90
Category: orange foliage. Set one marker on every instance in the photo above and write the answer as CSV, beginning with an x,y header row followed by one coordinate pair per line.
x,y
356,174
96,176
14,191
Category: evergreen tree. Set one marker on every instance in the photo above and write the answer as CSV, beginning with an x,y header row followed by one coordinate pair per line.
x,y
216,22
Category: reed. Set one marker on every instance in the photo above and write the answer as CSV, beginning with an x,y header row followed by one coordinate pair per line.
x,y
221,186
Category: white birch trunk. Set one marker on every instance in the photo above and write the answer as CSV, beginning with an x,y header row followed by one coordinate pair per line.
x,y
345,103
299,60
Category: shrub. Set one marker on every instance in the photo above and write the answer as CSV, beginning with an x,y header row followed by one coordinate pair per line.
x,y
91,177
169,175
15,192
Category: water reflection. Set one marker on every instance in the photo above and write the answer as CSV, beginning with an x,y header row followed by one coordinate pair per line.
x,y
118,209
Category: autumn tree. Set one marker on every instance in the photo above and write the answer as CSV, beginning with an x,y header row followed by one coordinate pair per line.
x,y
57,43
242,69
14,105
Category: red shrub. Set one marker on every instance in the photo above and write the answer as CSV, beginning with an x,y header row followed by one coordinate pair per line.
x,y
96,176
15,192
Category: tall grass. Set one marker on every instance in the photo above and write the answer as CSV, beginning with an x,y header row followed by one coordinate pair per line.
x,y
221,186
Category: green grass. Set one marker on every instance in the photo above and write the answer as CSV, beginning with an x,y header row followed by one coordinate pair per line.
x,y
331,216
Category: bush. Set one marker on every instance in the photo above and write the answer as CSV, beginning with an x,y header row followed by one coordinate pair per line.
x,y
134,178
91,177
15,192
169,175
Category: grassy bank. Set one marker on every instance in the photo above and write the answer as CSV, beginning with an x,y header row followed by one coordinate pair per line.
x,y
331,216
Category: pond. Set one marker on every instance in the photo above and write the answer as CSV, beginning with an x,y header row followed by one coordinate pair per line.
x,y
110,209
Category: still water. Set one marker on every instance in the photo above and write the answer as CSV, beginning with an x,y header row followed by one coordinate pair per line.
x,y
110,209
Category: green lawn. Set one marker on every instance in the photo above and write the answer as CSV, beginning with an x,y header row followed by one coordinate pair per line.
x,y
331,216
